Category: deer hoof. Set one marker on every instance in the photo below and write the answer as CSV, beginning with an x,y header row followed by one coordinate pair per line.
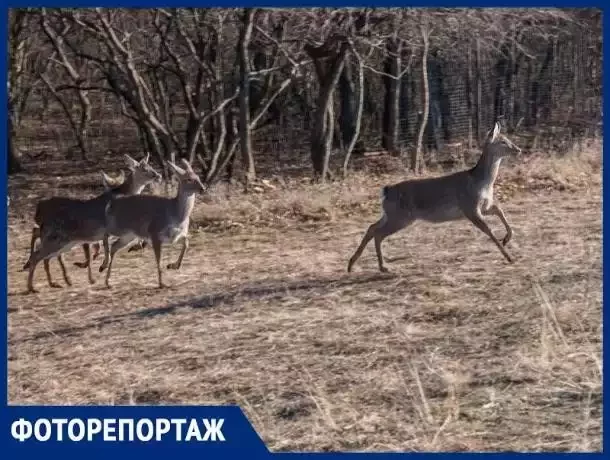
x,y
350,265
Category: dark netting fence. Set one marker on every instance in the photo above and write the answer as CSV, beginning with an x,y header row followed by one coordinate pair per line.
x,y
546,89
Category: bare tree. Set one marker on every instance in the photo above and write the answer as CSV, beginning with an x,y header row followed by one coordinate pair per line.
x,y
359,109
416,159
328,60
391,82
79,128
173,74
244,96
24,56
205,83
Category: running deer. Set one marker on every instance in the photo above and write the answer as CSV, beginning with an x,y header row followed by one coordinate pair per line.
x,y
66,222
466,194
153,218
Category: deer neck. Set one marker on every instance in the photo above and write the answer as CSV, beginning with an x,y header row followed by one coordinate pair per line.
x,y
184,203
129,187
486,169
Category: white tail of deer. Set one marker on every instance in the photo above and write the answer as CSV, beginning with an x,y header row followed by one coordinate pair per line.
x,y
463,195
153,218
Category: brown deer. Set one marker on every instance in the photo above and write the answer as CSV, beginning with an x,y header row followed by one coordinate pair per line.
x,y
47,207
465,194
152,218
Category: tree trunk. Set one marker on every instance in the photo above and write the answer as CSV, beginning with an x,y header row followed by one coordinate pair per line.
x,y
479,93
515,100
244,96
548,79
320,148
329,130
511,85
391,105
445,104
404,129
211,126
539,83
18,91
416,159
576,88
502,71
527,100
346,97
358,120
231,129
192,138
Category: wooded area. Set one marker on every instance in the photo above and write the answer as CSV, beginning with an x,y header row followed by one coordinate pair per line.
x,y
253,87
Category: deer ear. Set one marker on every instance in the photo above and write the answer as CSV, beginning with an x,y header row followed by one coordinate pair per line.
x,y
146,158
187,165
496,131
177,169
107,181
131,163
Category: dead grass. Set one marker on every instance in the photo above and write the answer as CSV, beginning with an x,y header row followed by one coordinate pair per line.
x,y
453,351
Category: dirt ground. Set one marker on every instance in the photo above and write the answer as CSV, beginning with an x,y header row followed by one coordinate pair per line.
x,y
453,350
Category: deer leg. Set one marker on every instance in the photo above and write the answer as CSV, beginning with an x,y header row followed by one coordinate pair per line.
x,y
47,269
96,250
116,247
156,244
64,272
382,232
478,221
31,269
368,236
46,251
84,264
176,265
87,251
106,253
496,210
35,236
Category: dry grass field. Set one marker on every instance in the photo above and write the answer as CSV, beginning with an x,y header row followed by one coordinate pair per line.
x,y
453,350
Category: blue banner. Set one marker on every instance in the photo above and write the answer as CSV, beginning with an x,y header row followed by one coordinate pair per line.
x,y
216,432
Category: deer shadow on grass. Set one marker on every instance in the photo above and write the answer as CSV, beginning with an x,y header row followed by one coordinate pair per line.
x,y
276,289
